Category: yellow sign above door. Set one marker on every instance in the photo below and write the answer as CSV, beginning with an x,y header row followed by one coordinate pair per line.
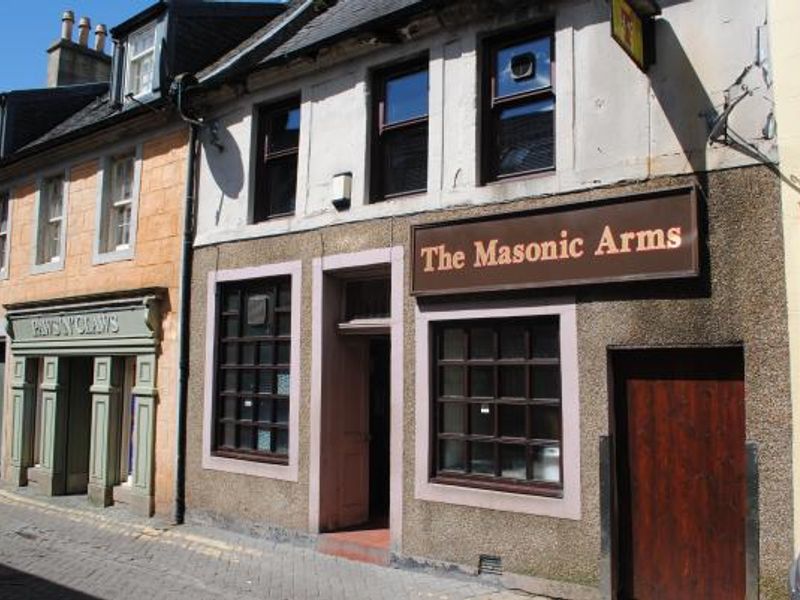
x,y
632,28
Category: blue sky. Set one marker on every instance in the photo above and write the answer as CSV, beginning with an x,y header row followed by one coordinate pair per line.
x,y
33,25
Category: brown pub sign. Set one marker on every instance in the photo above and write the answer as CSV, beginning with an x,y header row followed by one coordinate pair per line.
x,y
652,236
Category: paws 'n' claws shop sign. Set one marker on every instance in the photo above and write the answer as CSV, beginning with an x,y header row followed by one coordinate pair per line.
x,y
639,238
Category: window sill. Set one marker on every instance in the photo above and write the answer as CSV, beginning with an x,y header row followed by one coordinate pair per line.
x,y
272,219
252,457
520,177
103,258
399,196
252,468
481,483
48,267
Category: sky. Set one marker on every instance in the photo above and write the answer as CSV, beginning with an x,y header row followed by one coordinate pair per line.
x,y
31,27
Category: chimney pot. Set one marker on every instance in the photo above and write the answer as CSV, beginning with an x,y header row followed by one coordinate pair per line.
x,y
84,27
67,21
100,34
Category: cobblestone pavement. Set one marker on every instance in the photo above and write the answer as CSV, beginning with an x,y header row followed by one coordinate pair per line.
x,y
61,548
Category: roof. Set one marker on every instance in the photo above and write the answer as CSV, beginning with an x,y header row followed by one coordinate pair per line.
x,y
314,27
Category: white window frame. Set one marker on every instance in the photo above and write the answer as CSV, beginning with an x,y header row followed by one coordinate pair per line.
x,y
102,253
130,58
290,471
5,236
56,263
566,507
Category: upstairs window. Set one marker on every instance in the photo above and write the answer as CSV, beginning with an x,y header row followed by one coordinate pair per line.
x,y
276,168
51,221
5,199
400,138
519,107
118,201
141,51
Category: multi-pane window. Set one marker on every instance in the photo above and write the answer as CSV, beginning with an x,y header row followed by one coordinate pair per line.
x,y
253,370
276,168
51,220
119,199
497,404
519,107
141,51
5,198
400,140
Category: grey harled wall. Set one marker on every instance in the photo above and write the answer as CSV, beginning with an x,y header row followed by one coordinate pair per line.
x,y
746,305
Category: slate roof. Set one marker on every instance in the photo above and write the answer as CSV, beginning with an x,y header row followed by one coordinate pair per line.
x,y
92,114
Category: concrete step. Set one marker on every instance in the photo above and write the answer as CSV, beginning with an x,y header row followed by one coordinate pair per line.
x,y
368,546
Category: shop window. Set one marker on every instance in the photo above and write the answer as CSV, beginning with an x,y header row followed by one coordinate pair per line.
x,y
5,201
141,60
118,203
497,405
518,107
253,370
400,136
51,221
276,160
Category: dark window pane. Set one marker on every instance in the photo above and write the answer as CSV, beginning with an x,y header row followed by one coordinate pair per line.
x,y
285,296
453,343
284,353
231,354
452,381
231,327
546,464
482,458
546,422
282,411
453,419
265,411
481,419
405,160
481,343
230,380
283,129
247,410
246,441
229,435
512,420
523,67
231,404
280,186
282,441
513,463
512,382
284,324
512,343
368,299
524,139
265,353
232,301
451,455
265,382
546,382
248,381
406,97
248,354
481,382
545,340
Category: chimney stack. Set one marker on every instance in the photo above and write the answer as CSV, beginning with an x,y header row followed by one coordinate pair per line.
x,y
84,27
73,62
67,22
100,34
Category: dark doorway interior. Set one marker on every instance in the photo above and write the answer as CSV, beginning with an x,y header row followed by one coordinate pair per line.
x,y
79,423
679,431
379,432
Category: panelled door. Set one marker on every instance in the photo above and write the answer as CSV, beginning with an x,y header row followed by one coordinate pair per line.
x,y
679,424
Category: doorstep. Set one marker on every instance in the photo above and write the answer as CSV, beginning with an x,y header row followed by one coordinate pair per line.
x,y
366,545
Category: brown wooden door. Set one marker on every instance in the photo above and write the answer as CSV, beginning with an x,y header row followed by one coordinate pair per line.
x,y
680,425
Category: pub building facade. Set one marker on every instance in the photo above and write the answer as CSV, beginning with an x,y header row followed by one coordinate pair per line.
x,y
91,241
472,287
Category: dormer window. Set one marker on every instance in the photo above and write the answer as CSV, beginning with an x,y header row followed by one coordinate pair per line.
x,y
141,52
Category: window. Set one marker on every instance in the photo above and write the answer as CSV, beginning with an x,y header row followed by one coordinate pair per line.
x,y
141,51
519,107
51,220
497,404
118,199
276,170
253,370
5,199
400,140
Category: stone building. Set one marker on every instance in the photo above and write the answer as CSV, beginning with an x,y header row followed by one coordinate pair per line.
x,y
473,285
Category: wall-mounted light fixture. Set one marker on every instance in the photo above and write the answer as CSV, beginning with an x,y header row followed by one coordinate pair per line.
x,y
342,190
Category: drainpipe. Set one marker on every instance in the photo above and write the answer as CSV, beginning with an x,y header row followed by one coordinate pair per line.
x,y
178,93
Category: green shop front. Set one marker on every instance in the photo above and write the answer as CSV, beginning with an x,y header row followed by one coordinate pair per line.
x,y
83,397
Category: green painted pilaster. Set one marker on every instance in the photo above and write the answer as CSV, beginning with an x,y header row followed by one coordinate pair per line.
x,y
54,427
145,395
104,455
23,410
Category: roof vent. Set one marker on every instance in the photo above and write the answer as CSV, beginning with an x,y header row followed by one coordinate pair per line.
x,y
489,564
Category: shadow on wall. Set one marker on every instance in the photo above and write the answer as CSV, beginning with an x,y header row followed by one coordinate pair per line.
x,y
16,584
224,159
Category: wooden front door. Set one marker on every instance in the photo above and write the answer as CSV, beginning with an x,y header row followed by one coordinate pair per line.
x,y
679,423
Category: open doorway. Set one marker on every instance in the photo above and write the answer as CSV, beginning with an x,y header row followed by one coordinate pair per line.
x,y
79,424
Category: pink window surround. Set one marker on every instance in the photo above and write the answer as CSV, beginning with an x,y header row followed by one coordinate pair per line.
x,y
567,507
244,467
394,258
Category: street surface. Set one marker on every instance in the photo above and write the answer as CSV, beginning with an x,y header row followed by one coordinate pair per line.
x,y
64,549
